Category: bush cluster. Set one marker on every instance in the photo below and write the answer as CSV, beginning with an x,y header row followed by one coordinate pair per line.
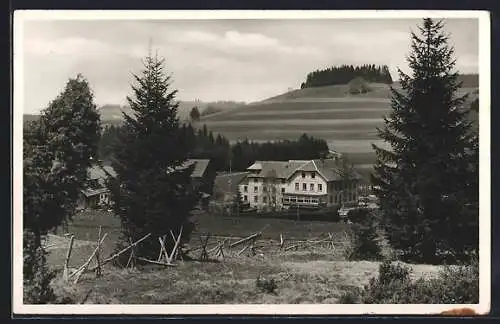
x,y
394,285
267,285
37,276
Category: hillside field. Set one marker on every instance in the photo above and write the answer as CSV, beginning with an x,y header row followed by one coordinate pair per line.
x,y
347,122
306,275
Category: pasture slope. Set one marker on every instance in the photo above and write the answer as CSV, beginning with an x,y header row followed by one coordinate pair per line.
x,y
306,275
347,122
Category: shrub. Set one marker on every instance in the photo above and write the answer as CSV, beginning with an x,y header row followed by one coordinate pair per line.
x,y
454,285
350,296
358,85
389,286
393,285
365,238
36,275
268,286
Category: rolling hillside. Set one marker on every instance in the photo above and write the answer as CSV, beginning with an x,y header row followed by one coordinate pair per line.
x,y
111,114
347,122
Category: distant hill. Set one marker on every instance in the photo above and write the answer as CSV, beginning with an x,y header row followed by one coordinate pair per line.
x,y
347,122
469,80
111,114
470,83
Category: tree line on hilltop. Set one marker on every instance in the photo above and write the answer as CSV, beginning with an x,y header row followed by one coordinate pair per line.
x,y
345,73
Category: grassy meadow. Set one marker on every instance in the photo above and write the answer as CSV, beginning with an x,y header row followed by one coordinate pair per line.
x,y
315,274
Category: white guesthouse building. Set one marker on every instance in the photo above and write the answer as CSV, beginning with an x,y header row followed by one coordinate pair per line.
x,y
302,183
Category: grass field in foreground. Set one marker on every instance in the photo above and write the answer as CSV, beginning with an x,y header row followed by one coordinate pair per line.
x,y
232,281
314,275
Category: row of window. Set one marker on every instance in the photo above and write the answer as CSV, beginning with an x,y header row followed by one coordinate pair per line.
x,y
311,187
351,196
306,200
337,186
256,189
256,199
313,175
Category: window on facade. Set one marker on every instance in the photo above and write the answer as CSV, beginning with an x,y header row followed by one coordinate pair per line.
x,y
303,174
255,189
300,200
314,201
313,175
320,187
264,188
245,188
264,199
304,186
311,186
296,186
306,200
256,198
286,199
282,190
245,198
293,199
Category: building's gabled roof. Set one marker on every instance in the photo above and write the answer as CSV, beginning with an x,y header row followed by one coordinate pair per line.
x,y
200,167
327,168
277,169
97,172
228,183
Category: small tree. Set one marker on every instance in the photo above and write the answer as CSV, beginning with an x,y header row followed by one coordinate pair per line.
x,y
238,205
194,114
152,192
271,190
365,242
348,178
358,85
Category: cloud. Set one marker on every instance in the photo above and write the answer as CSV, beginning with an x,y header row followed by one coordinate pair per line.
x,y
245,40
238,43
214,60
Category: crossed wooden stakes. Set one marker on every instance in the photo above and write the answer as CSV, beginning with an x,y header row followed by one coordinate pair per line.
x,y
165,258
97,255
250,243
330,243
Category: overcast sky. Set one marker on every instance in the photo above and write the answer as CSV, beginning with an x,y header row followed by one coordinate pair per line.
x,y
242,60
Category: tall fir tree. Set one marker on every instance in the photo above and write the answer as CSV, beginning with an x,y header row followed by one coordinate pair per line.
x,y
152,191
428,180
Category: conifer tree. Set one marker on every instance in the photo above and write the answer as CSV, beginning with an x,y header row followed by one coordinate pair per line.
x,y
152,191
427,180
57,150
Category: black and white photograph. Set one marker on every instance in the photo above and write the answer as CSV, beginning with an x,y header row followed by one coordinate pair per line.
x,y
251,162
